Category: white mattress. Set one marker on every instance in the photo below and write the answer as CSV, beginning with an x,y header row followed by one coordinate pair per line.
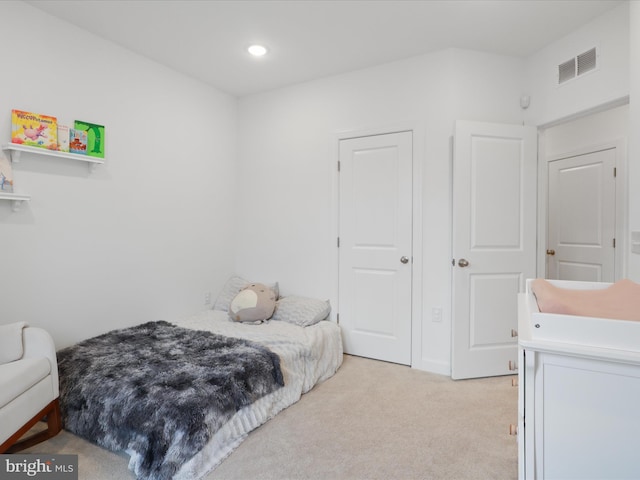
x,y
308,355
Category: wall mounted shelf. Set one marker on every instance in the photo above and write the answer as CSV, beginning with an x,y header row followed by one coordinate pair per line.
x,y
15,198
16,150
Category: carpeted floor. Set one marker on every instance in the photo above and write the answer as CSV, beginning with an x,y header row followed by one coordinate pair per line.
x,y
372,420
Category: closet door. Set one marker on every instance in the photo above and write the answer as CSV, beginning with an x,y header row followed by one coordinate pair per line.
x,y
582,217
375,256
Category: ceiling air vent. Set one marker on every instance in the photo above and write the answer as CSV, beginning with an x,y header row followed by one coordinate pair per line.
x,y
583,63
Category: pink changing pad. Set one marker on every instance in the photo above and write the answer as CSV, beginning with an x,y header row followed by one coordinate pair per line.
x,y
620,301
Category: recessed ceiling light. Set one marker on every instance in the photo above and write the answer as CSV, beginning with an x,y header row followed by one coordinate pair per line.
x,y
257,50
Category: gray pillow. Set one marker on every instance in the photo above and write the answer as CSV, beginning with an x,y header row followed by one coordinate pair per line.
x,y
232,288
301,311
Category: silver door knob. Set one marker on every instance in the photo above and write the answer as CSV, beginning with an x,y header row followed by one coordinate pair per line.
x,y
404,259
463,263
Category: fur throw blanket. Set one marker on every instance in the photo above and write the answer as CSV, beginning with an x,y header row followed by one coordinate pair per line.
x,y
159,391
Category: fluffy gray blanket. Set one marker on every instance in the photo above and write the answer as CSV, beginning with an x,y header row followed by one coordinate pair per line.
x,y
160,390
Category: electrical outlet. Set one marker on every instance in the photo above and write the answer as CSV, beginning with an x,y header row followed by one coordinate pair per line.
x,y
436,314
207,298
635,242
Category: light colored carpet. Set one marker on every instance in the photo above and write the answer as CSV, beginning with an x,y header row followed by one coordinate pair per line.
x,y
372,420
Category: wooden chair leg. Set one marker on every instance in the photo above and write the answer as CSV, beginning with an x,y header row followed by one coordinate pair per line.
x,y
54,425
54,419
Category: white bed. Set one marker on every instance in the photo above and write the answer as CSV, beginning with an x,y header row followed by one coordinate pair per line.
x,y
308,355
579,385
178,399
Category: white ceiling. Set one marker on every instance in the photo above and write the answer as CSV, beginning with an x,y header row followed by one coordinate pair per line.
x,y
207,39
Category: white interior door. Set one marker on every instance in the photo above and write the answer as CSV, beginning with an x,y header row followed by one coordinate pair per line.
x,y
582,217
494,241
375,252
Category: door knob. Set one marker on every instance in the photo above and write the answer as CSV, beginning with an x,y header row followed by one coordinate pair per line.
x,y
404,259
551,252
463,263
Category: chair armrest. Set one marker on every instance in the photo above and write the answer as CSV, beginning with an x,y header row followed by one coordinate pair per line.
x,y
38,343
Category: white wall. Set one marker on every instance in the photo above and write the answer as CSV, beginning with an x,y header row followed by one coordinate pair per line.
x,y
148,233
633,265
287,160
551,102
612,125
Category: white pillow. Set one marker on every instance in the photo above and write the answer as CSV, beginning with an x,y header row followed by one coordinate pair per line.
x,y
301,311
232,288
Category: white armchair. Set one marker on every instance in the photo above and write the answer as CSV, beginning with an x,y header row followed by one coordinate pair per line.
x,y
28,386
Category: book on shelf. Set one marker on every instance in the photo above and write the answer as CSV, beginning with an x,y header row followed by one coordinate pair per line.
x,y
34,129
63,138
6,175
95,137
77,141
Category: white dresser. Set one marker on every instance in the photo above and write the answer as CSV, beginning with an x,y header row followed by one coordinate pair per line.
x,y
579,395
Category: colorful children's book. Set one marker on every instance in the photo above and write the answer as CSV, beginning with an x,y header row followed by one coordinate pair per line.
x,y
34,129
6,175
95,135
77,141
63,138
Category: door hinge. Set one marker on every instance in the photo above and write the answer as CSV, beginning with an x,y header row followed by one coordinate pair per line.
x,y
615,172
338,165
614,243
338,242
337,318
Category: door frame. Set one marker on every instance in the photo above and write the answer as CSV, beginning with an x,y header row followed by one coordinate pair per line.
x,y
416,235
620,252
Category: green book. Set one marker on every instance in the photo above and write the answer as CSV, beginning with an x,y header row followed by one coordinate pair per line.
x,y
95,137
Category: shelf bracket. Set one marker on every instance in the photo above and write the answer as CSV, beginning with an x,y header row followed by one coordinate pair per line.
x,y
92,167
15,205
15,155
